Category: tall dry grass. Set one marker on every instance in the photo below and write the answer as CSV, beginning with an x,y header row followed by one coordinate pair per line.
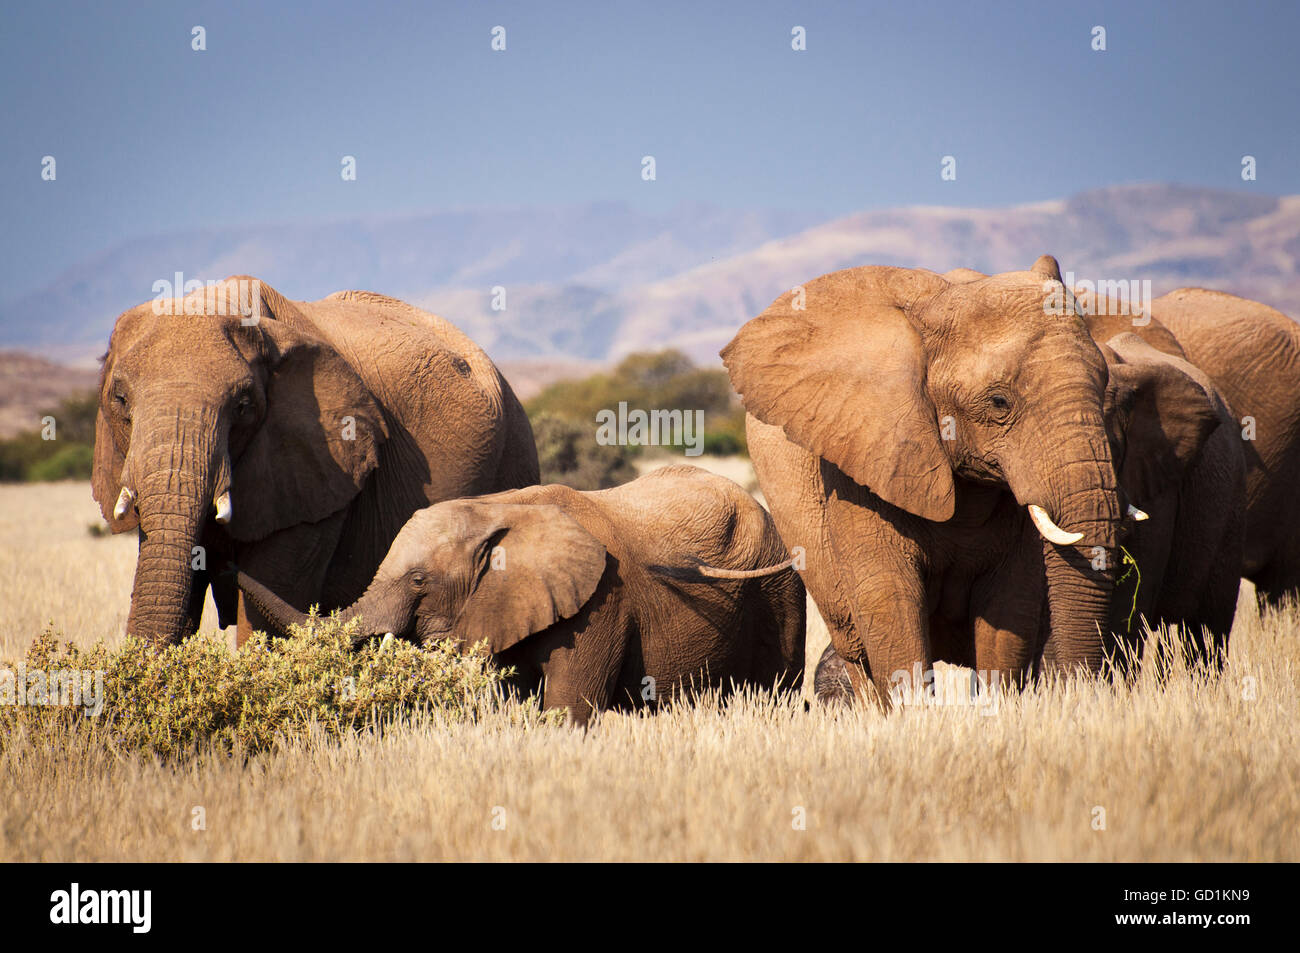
x,y
1195,769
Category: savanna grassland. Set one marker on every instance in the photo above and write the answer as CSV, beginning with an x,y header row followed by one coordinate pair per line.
x,y
1195,769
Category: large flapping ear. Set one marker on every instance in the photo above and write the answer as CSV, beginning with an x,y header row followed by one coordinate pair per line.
x,y
840,366
1164,414
537,565
320,437
106,471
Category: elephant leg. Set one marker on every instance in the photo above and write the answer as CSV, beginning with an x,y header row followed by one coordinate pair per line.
x,y
1280,577
194,607
580,669
882,572
791,480
888,646
1008,612
291,563
1205,554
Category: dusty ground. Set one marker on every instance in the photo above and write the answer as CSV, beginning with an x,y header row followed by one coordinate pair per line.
x,y
1193,770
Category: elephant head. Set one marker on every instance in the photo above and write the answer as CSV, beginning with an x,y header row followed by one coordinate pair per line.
x,y
470,571
907,380
1158,414
237,420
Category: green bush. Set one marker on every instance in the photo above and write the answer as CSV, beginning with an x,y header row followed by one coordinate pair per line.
x,y
568,453
663,380
71,462
28,457
179,700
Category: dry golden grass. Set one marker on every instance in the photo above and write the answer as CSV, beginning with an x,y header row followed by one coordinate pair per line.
x,y
1197,769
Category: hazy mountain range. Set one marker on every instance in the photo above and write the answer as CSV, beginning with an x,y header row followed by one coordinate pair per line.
x,y
594,282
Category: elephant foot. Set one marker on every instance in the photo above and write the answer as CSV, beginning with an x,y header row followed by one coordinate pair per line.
x,y
832,684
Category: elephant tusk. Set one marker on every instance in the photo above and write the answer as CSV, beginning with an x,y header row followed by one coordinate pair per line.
x,y
223,507
1136,514
125,499
1049,530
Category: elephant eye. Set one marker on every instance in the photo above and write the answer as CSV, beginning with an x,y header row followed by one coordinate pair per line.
x,y
417,580
1000,402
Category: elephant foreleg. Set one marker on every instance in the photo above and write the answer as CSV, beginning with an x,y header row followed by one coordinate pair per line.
x,y
887,646
1008,612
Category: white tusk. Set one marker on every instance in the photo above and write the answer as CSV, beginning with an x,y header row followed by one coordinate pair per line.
x,y
223,507
1136,514
1049,530
124,501
386,641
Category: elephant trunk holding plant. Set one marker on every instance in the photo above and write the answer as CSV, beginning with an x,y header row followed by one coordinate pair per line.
x,y
292,437
605,599
940,449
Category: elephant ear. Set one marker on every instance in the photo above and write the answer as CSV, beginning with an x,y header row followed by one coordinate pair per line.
x,y
538,565
1163,412
106,472
318,442
840,366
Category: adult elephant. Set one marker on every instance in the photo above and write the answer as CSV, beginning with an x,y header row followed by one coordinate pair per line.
x,y
1252,354
939,449
293,438
1177,452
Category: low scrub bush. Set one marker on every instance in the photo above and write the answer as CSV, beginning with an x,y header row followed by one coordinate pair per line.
x,y
201,695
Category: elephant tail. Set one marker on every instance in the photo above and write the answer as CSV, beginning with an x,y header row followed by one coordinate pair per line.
x,y
714,572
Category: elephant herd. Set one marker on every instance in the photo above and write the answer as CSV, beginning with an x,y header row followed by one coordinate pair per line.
x,y
954,470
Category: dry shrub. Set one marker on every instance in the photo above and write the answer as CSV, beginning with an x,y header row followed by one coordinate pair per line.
x,y
201,695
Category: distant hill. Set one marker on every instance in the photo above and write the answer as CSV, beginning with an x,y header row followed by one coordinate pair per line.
x,y
595,282
1173,236
449,257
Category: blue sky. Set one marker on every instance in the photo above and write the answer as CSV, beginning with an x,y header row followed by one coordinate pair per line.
x,y
150,136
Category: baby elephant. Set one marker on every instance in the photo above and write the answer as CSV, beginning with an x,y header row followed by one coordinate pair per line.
x,y
608,599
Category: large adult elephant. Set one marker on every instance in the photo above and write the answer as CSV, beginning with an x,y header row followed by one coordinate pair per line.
x,y
1177,451
293,438
1252,353
939,448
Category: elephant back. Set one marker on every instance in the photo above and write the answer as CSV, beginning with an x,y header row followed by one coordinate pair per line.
x,y
447,398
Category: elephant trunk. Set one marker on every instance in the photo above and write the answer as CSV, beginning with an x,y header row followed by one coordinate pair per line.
x,y
170,477
375,619
1080,569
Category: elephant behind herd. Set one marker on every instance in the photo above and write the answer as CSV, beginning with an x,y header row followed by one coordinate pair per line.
x,y
970,476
